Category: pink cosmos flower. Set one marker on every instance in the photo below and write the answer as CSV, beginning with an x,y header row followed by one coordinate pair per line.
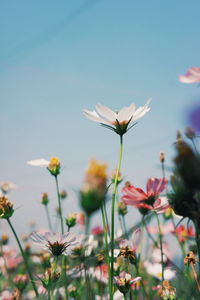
x,y
165,228
183,233
98,230
138,198
134,242
6,295
191,76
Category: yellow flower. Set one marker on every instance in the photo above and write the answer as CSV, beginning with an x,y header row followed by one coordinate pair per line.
x,y
97,169
54,166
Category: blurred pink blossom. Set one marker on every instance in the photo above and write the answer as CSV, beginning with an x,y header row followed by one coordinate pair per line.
x,y
191,76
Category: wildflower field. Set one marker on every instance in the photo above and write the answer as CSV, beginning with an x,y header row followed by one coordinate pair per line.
x,y
100,150
106,262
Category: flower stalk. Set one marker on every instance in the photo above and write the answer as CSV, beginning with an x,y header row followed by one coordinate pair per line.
x,y
59,204
161,245
113,214
24,258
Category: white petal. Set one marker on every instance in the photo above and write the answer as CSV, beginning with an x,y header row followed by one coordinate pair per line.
x,y
126,113
106,113
93,116
136,279
141,111
38,162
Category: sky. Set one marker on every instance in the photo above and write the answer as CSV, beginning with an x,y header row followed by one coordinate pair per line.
x,y
59,57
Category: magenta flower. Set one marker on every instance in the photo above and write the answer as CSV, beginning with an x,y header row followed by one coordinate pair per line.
x,y
149,200
191,76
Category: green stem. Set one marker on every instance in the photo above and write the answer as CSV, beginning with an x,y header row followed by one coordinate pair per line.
x,y
107,248
124,225
113,215
87,224
25,258
106,217
161,245
48,217
59,204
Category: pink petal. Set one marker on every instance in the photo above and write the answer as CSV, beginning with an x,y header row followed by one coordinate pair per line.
x,y
136,238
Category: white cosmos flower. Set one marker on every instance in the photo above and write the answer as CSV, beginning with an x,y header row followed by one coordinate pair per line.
x,y
155,269
54,242
117,121
38,162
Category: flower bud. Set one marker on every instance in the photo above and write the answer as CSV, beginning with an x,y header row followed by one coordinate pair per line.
x,y
63,194
50,278
162,157
21,281
190,133
6,208
71,220
122,208
54,166
4,239
113,175
45,199
72,290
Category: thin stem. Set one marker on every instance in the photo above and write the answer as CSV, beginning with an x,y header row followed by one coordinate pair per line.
x,y
161,245
107,249
87,224
157,246
106,217
163,169
113,215
124,225
24,257
48,217
59,204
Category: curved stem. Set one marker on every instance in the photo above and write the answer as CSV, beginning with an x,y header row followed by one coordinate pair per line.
x,y
161,245
113,215
24,257
59,204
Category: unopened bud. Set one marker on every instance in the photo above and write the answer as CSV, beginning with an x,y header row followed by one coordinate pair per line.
x,y
44,199
63,194
162,157
122,208
21,281
54,166
190,133
71,220
4,239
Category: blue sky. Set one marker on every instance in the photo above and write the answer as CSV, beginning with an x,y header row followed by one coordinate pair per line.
x,y
57,58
